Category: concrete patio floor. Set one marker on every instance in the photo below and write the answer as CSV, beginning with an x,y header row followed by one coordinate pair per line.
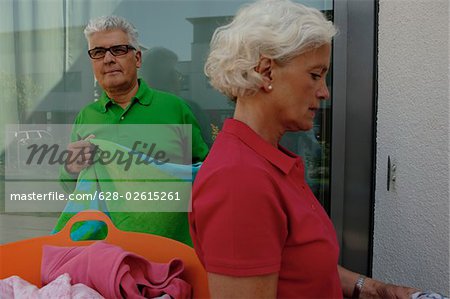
x,y
19,227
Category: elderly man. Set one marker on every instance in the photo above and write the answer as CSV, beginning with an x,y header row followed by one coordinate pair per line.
x,y
116,57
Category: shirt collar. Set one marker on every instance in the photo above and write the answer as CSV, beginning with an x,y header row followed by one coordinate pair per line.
x,y
279,157
144,96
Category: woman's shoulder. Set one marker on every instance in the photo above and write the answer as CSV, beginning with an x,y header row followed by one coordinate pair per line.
x,y
231,158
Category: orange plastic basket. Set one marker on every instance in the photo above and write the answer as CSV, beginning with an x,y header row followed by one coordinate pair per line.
x,y
23,258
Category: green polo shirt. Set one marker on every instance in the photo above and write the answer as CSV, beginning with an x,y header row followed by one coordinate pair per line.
x,y
148,106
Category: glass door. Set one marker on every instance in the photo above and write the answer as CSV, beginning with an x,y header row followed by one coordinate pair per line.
x,y
47,77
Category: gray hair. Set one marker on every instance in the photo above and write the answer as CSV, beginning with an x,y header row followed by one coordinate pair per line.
x,y
277,29
106,23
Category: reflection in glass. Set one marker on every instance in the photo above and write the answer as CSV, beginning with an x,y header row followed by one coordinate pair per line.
x,y
46,77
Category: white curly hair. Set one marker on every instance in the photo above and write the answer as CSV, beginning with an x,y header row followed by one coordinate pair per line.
x,y
276,29
106,23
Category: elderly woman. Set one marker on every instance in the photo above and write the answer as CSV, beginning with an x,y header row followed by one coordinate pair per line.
x,y
256,226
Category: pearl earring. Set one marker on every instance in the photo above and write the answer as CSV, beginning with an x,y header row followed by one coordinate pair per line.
x,y
270,87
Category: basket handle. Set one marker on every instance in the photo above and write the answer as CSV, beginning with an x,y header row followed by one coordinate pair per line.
x,y
89,215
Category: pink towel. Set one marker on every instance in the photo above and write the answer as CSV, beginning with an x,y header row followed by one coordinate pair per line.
x,y
113,272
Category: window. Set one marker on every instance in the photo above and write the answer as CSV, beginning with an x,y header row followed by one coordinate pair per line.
x,y
46,78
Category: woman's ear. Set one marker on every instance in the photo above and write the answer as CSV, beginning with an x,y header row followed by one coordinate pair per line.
x,y
264,68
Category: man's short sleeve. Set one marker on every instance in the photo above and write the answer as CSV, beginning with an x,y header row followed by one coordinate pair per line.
x,y
199,147
238,224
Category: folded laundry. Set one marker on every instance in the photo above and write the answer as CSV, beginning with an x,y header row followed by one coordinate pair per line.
x,y
113,272
427,295
15,287
166,218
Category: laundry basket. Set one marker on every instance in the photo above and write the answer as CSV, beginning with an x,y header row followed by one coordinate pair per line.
x,y
23,258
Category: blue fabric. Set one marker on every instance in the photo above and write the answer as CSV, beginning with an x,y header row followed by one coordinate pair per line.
x,y
88,183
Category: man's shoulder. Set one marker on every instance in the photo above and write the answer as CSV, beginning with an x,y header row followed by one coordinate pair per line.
x,y
96,106
159,97
167,98
90,110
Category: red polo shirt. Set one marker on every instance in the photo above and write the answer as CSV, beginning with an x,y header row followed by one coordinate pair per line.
x,y
253,214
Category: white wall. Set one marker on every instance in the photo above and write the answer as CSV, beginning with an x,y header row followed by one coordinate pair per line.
x,y
411,234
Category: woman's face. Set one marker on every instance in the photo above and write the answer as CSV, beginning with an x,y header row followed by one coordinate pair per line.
x,y
299,86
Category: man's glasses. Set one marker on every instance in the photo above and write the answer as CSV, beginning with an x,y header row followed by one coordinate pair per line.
x,y
100,52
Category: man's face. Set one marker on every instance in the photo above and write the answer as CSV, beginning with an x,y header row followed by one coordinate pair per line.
x,y
115,74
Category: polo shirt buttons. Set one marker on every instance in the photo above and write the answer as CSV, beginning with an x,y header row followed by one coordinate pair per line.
x,y
122,117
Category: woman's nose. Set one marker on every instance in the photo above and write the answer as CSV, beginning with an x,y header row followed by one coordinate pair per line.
x,y
323,93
